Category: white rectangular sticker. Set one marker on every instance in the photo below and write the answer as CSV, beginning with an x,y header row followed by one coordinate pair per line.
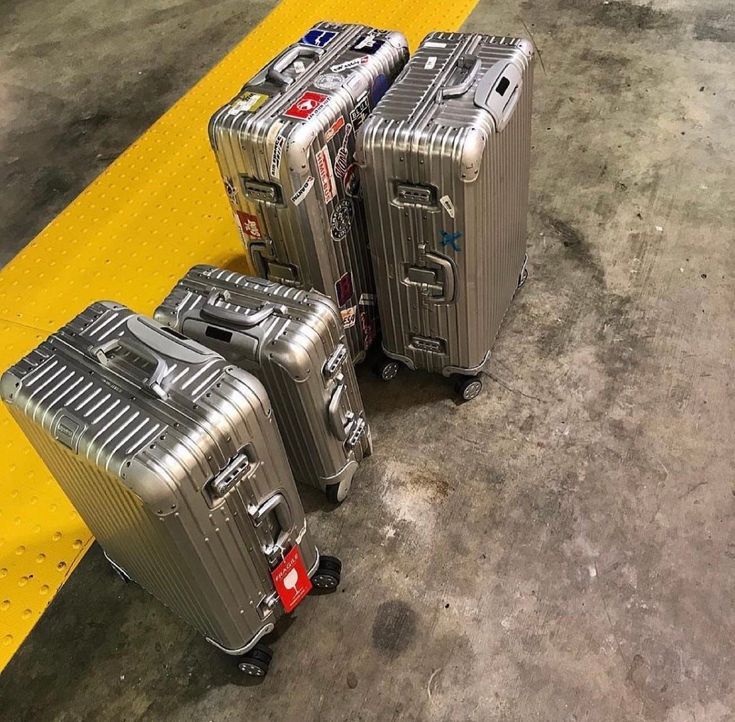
x,y
430,63
326,177
349,64
276,157
302,192
433,44
446,201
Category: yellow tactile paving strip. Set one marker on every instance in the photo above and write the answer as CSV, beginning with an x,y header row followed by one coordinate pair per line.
x,y
156,211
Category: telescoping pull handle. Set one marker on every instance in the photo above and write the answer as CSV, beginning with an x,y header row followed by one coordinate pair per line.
x,y
275,72
154,381
236,318
498,92
277,503
471,62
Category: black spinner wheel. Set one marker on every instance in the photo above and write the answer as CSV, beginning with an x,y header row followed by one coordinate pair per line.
x,y
328,574
257,661
387,369
469,387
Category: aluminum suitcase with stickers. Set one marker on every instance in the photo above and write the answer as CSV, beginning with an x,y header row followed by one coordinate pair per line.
x,y
444,162
172,457
285,147
294,342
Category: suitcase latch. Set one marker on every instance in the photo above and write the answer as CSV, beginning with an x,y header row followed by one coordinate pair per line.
x,y
355,432
260,191
334,363
418,195
230,476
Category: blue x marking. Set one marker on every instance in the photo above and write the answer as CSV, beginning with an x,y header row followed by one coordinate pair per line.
x,y
450,239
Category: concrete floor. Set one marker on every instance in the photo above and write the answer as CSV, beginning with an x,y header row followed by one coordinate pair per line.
x,y
563,548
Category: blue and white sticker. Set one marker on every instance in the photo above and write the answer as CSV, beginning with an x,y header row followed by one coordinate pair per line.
x,y
368,44
319,38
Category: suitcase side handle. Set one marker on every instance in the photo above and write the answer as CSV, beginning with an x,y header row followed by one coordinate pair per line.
x,y
447,295
278,504
246,320
154,381
455,91
275,72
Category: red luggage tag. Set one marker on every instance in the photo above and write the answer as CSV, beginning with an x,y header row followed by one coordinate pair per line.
x,y
291,580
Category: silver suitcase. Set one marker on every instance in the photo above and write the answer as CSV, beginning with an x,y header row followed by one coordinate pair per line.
x,y
294,342
444,161
285,150
172,457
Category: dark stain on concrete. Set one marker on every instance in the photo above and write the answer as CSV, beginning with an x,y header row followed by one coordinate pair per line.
x,y
716,26
623,15
576,245
394,627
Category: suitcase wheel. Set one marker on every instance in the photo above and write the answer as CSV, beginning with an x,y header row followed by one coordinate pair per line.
x,y
256,662
469,387
332,492
387,369
328,574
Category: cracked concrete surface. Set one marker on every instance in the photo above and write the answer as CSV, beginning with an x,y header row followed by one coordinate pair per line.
x,y
562,548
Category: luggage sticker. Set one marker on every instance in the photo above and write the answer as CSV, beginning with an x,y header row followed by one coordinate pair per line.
x,y
341,220
324,166
368,44
276,157
247,103
231,190
368,327
319,38
344,289
360,112
349,64
329,81
433,44
430,63
341,160
302,192
291,580
306,105
446,202
349,316
249,225
450,239
351,181
368,299
334,129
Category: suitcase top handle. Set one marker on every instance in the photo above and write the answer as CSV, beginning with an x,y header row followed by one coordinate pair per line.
x,y
275,72
455,91
154,381
236,318
154,343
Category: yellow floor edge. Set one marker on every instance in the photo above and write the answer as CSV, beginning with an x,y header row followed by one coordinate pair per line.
x,y
159,209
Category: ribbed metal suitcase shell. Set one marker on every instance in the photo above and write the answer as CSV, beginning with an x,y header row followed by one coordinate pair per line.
x,y
291,180
186,494
445,182
294,342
